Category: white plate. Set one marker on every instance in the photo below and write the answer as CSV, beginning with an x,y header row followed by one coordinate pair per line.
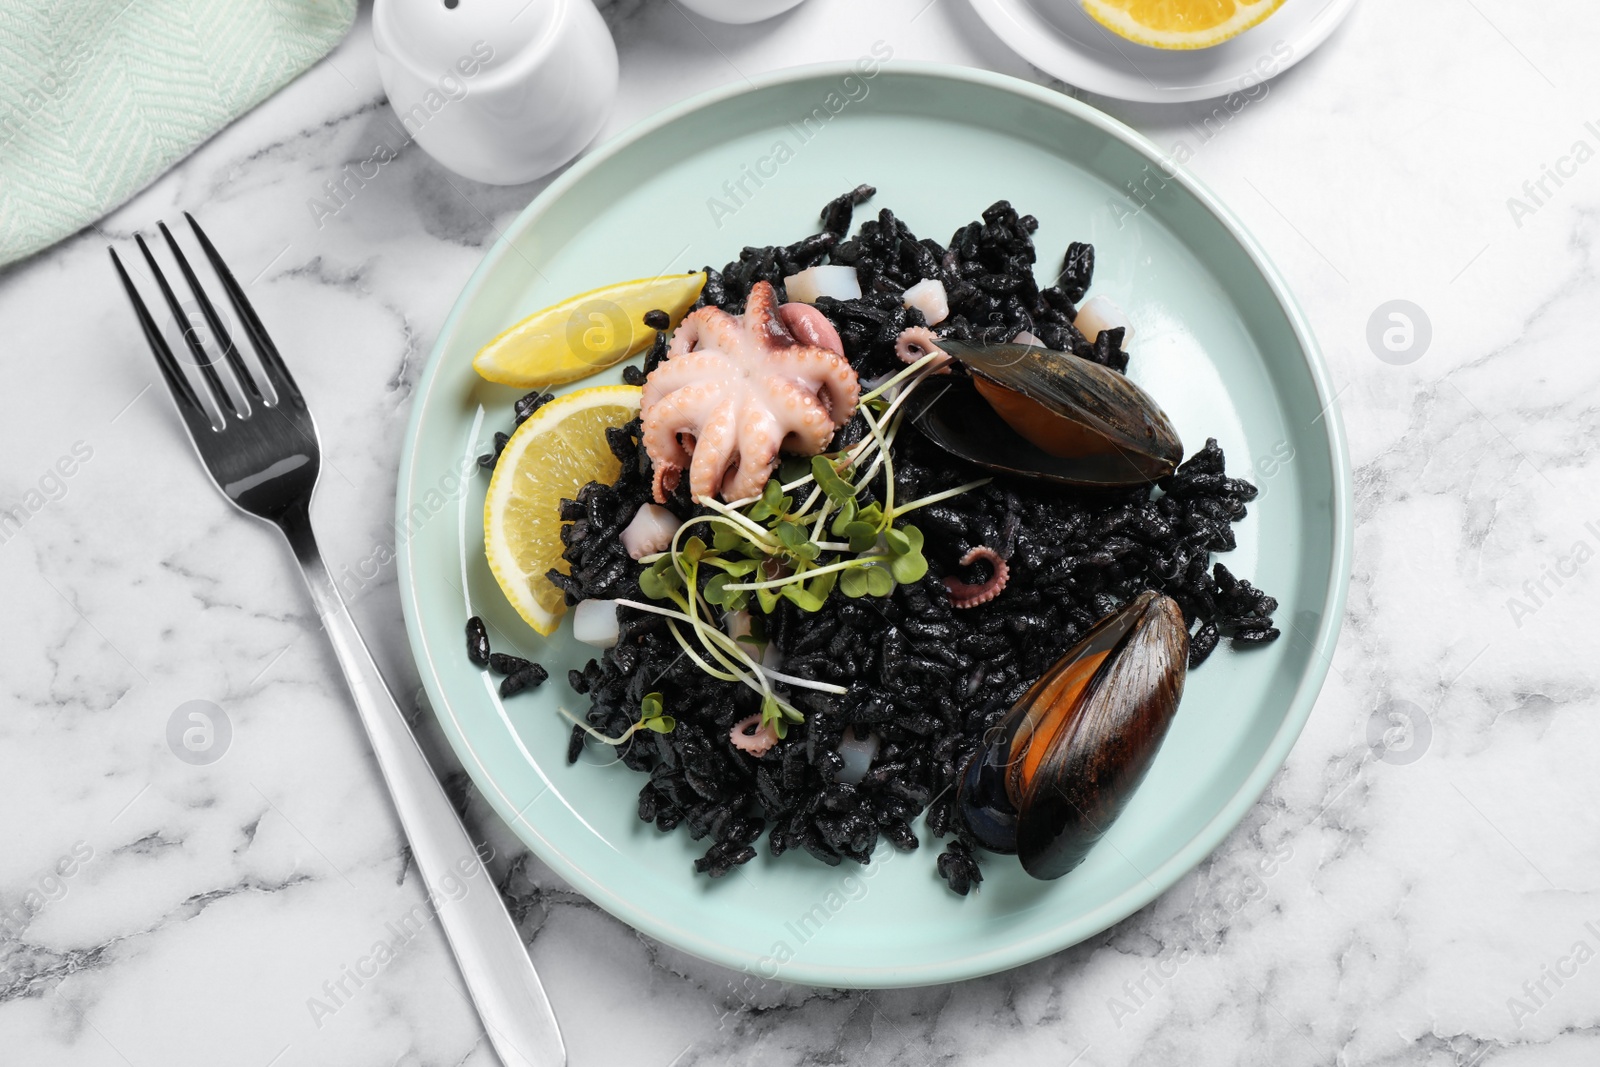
x,y
1058,38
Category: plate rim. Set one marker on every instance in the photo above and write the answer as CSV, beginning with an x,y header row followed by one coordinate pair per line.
x,y
1039,50
1043,943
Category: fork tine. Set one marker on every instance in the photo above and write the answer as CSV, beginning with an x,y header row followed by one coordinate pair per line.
x,y
218,393
213,322
277,371
182,392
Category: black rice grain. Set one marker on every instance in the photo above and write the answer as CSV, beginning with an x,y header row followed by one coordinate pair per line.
x,y
501,663
959,868
527,405
1077,270
489,459
477,642
529,677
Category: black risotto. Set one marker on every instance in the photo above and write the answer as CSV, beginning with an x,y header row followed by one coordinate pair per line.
x,y
926,678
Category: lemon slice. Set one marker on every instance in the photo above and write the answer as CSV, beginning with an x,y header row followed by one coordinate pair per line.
x,y
557,451
1179,23
585,333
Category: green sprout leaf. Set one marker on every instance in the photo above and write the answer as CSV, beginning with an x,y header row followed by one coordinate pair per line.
x,y
879,581
726,538
772,715
790,535
651,717
770,504
716,590
847,514
736,567
905,547
692,550
853,582
660,580
795,542
861,534
810,596
908,568
829,480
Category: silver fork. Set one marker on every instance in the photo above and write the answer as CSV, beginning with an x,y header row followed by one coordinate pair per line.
x,y
264,457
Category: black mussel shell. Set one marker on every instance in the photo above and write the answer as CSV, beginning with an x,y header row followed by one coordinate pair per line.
x,y
982,799
1035,412
1057,770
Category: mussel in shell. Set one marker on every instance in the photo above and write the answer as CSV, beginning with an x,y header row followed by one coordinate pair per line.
x,y
1051,777
1032,411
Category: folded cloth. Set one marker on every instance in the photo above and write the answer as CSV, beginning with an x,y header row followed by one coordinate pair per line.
x,y
99,97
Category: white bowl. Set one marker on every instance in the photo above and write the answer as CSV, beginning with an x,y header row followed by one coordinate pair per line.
x,y
739,11
1060,39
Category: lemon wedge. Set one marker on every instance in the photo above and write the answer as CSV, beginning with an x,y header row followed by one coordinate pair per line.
x,y
1179,23
585,333
557,451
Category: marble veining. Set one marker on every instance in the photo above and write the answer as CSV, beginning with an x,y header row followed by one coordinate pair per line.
x,y
1434,900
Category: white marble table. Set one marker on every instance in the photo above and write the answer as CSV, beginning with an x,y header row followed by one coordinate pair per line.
x,y
1438,905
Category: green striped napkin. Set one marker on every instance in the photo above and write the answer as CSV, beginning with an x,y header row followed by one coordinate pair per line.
x,y
99,97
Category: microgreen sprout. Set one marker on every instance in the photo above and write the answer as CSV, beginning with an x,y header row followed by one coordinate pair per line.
x,y
766,548
778,716
651,717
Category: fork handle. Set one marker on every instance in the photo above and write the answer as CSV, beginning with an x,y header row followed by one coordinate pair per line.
x,y
493,961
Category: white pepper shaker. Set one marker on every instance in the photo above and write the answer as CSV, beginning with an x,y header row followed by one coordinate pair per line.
x,y
500,92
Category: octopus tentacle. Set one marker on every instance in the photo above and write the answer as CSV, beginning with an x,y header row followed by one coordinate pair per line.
x,y
668,432
757,742
915,342
759,435
831,378
762,320
665,481
708,327
805,426
687,335
965,594
714,450
678,413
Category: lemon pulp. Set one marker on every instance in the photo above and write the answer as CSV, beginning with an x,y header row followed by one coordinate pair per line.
x,y
1179,24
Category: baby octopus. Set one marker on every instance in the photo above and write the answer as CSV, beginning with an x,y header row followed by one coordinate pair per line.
x,y
734,391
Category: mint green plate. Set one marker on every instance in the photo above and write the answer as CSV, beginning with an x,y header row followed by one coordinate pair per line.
x,y
1219,343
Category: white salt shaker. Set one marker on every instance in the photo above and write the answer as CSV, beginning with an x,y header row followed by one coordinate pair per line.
x,y
500,92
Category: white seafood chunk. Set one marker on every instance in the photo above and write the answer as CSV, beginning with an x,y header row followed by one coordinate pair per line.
x,y
928,296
